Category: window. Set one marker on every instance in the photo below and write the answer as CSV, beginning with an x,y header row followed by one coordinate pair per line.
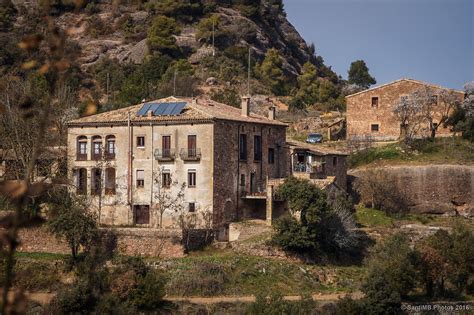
x,y
140,142
166,145
192,207
166,179
375,102
403,99
243,147
191,146
96,181
81,181
334,160
110,181
110,146
242,179
191,178
257,148
96,147
140,178
81,148
374,127
271,155
434,99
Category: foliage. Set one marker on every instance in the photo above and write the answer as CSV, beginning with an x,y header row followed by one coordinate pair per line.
x,y
359,74
72,221
149,292
378,191
312,89
160,36
447,262
349,306
462,117
228,95
8,14
291,235
248,8
184,10
390,276
275,304
270,71
323,226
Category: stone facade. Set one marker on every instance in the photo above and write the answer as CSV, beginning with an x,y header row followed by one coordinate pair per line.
x,y
138,165
370,112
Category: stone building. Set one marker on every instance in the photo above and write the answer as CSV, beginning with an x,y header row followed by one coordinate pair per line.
x,y
370,112
126,159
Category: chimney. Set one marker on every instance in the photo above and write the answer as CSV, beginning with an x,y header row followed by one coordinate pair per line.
x,y
245,106
271,112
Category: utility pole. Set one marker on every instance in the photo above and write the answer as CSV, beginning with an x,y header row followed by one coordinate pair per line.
x,y
108,79
174,83
248,74
213,39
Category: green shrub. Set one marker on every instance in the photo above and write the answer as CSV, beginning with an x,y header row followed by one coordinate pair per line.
x,y
160,36
391,275
270,71
349,306
8,14
149,292
291,235
275,304
228,95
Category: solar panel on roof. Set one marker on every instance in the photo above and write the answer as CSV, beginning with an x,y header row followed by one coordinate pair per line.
x,y
160,109
178,108
153,107
169,109
144,110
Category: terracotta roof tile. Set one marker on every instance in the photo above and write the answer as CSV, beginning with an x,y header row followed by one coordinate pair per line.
x,y
200,109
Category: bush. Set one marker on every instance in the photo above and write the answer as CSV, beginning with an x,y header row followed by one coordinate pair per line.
x,y
291,235
274,304
160,36
390,276
270,71
228,95
149,292
349,306
447,262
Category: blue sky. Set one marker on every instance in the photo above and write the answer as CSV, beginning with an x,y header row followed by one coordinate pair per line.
x,y
429,40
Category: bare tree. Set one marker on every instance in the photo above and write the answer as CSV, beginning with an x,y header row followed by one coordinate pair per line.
x,y
168,195
425,109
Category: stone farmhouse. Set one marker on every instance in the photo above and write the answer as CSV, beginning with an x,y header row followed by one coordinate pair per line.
x,y
219,154
370,112
225,162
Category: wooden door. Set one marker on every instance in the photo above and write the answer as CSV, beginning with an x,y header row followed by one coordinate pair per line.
x,y
166,145
142,214
192,146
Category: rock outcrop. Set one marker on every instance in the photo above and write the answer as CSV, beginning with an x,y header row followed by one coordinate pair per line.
x,y
433,189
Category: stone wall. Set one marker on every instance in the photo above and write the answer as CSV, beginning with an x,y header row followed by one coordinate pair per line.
x,y
130,241
436,189
361,115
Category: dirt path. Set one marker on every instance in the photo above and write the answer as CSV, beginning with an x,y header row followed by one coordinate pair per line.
x,y
250,298
44,298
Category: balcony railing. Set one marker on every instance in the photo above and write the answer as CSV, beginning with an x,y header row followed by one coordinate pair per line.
x,y
190,154
164,154
81,157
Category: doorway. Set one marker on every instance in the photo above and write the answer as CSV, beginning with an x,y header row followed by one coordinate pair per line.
x,y
142,214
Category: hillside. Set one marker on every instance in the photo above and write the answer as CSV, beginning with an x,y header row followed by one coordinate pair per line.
x,y
146,49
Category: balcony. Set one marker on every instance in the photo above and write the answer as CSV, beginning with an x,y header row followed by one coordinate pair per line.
x,y
190,154
164,155
81,157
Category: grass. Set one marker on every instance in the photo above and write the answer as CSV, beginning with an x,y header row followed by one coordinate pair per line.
x,y
368,217
441,151
227,273
41,256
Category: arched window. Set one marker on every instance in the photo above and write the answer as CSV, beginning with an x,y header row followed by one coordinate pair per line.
x,y
81,150
110,147
81,184
110,181
96,147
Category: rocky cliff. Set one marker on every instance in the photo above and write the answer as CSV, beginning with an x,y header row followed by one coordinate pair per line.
x,y
435,189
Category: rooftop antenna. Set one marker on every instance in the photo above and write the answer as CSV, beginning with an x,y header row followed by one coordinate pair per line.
x,y
213,39
174,83
248,72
